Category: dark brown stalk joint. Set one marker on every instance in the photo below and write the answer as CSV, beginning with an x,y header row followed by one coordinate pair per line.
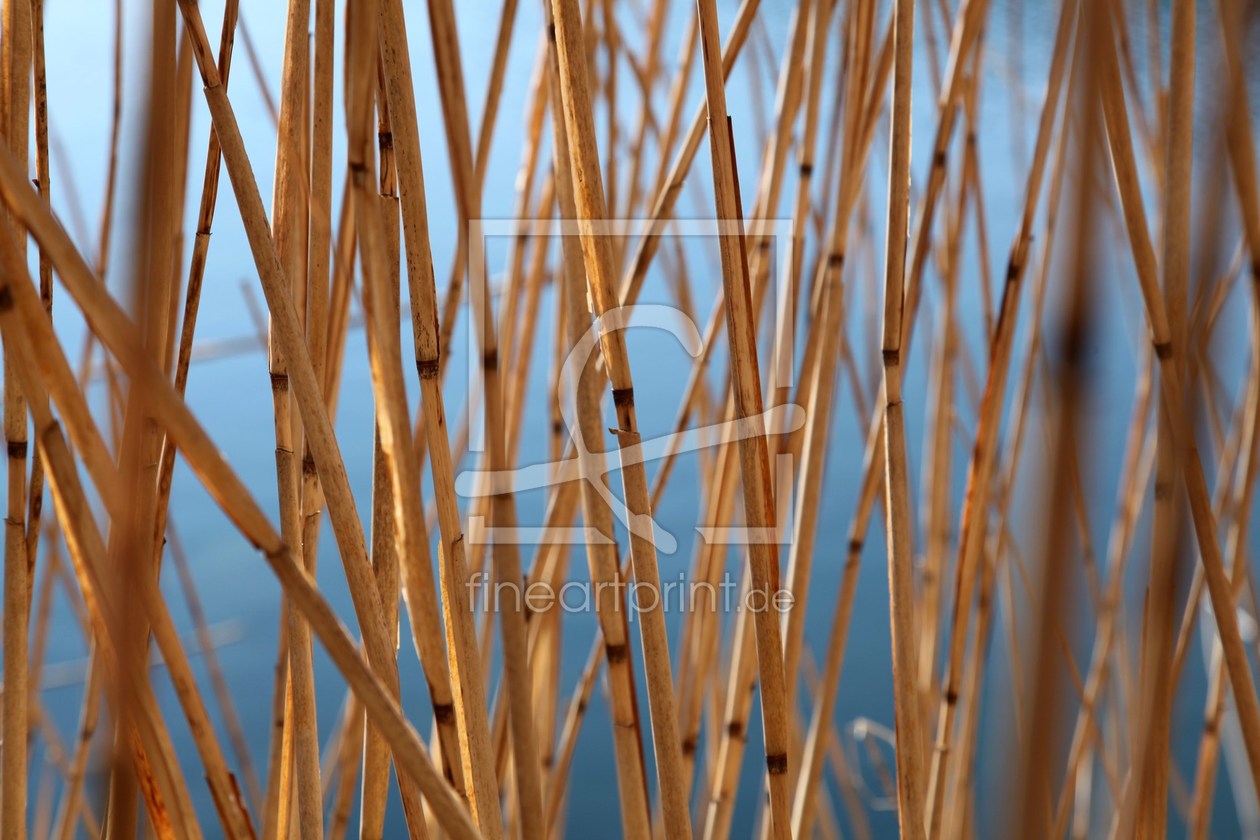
x,y
776,765
807,169
1163,350
735,729
308,465
279,383
6,298
616,653
490,359
385,139
940,159
427,368
444,713
623,397
835,260
358,174
689,746
951,697
17,449
892,357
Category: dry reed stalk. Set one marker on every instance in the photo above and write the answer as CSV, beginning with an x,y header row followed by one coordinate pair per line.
x,y
1070,384
957,813
598,257
1171,387
161,782
260,75
968,24
289,225
533,122
700,636
601,550
317,263
42,613
609,39
700,631
35,487
1240,489
735,707
817,739
1237,130
347,770
536,277
563,502
668,132
15,102
1155,719
65,824
154,237
316,422
647,69
896,490
507,559
383,315
827,335
339,296
819,29
494,88
574,715
214,667
278,800
520,280
703,641
456,115
467,709
669,189
385,564
196,269
380,296
508,567
1139,459
227,797
111,174
828,289
980,469
546,695
758,494
114,328
937,471
318,266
